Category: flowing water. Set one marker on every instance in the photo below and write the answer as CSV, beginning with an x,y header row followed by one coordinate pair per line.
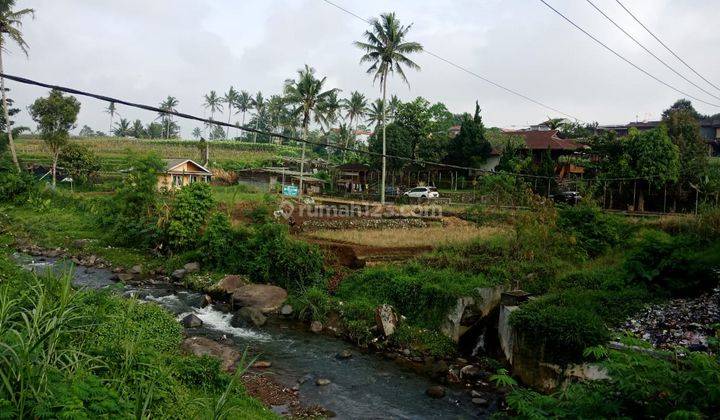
x,y
366,386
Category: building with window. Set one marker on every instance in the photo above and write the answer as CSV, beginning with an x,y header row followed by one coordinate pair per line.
x,y
181,172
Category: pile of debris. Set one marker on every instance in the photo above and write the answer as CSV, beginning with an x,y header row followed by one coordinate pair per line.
x,y
679,322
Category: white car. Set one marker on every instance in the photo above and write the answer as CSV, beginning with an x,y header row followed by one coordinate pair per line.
x,y
422,192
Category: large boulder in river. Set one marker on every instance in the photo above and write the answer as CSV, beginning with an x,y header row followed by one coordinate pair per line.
x,y
201,346
227,286
265,297
192,267
191,321
248,315
386,319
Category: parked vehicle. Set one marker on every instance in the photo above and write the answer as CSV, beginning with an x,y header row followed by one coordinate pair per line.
x,y
422,192
567,197
392,190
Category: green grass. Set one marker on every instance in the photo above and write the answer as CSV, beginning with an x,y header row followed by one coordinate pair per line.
x,y
93,354
240,193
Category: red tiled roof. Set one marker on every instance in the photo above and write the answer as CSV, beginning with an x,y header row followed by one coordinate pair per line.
x,y
542,140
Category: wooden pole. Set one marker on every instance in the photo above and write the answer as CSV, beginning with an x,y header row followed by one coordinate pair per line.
x,y
604,193
634,192
665,199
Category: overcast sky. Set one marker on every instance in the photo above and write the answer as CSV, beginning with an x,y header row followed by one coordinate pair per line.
x,y
144,50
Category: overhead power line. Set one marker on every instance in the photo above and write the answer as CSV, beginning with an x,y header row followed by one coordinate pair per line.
x,y
648,51
151,108
666,47
466,70
620,56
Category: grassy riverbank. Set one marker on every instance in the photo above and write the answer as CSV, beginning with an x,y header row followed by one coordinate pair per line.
x,y
69,354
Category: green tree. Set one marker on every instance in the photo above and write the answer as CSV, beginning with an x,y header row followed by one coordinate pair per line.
x,y
276,112
155,130
230,99
387,49
137,130
55,116
306,93
400,144
244,104
653,157
393,106
4,126
122,128
196,133
469,147
375,113
112,111
355,107
259,104
86,131
79,162
214,103
10,24
168,105
684,130
682,105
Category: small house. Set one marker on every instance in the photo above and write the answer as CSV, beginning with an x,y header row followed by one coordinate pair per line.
x,y
352,177
181,172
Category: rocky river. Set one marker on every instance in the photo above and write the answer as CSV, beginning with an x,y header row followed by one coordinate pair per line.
x,y
358,385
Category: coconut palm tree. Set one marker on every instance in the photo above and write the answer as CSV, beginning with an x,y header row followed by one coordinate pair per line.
x,y
259,103
244,104
168,105
306,93
137,130
230,98
355,108
386,49
10,24
196,133
393,105
214,103
330,108
122,128
112,110
375,113
276,111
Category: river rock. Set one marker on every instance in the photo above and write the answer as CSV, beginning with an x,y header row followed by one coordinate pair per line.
x,y
201,346
80,243
192,267
179,274
316,327
480,401
286,310
205,301
252,315
265,297
91,260
345,354
435,391
262,364
124,277
229,284
135,270
386,319
191,321
322,382
470,372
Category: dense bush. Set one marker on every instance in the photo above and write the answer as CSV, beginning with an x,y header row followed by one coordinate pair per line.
x,y
79,162
185,214
641,386
677,265
593,231
16,187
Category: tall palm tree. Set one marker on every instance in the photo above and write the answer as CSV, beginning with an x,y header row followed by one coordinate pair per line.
x,y
112,110
137,129
10,25
306,93
275,111
375,113
167,105
386,48
214,103
330,108
196,133
244,104
393,105
355,109
259,103
230,98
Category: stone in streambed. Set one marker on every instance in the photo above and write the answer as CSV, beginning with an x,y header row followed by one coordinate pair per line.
x,y
124,277
345,354
480,401
179,274
322,382
265,297
250,315
192,267
286,310
191,321
386,319
316,327
262,364
201,346
435,391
